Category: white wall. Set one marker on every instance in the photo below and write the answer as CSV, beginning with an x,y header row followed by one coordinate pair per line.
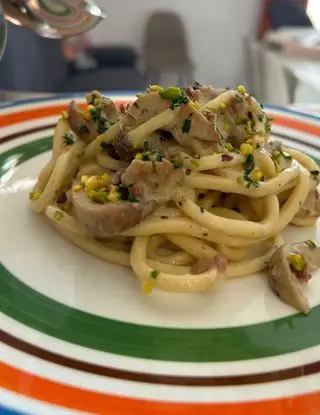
x,y
216,30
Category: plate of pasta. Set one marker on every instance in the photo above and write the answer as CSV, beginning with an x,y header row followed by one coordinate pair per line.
x,y
163,246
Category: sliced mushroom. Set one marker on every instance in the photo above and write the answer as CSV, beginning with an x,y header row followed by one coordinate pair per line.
x,y
311,207
220,261
157,181
103,220
286,281
108,108
83,128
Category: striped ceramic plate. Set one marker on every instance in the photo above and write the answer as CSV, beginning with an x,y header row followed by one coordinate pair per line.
x,y
76,335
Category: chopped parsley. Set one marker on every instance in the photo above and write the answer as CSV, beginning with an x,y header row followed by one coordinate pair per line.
x,y
132,197
239,99
69,139
268,124
311,244
145,157
102,125
196,85
315,175
156,156
96,114
186,126
146,145
260,116
183,100
154,274
83,129
94,97
284,155
126,195
249,166
178,165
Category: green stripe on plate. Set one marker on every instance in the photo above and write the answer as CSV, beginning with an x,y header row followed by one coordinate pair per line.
x,y
35,310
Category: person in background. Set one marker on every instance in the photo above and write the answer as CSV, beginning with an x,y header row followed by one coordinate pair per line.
x,y
279,13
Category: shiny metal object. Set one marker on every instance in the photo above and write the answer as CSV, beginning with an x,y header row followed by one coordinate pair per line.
x,y
3,32
54,18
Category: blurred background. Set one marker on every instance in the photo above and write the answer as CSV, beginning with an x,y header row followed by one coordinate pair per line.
x,y
271,46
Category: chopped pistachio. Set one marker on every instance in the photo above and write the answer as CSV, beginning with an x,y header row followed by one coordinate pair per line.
x,y
156,88
58,215
172,92
34,195
296,261
241,89
246,149
98,196
228,146
77,188
256,175
146,287
195,163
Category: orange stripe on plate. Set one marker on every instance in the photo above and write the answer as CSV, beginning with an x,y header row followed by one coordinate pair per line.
x,y
40,112
295,124
98,403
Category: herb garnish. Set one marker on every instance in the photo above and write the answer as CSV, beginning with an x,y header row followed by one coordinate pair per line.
x,y
154,273
249,166
178,165
83,129
196,85
188,172
94,97
201,209
102,125
311,244
186,126
69,139
125,194
315,175
179,101
284,155
95,114
268,124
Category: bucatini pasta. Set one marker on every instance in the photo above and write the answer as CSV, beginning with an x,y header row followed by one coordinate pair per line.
x,y
182,185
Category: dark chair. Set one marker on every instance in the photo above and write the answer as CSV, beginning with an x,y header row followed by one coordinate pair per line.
x,y
35,64
165,48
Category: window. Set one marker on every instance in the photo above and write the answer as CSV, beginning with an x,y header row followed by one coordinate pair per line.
x,y
313,10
